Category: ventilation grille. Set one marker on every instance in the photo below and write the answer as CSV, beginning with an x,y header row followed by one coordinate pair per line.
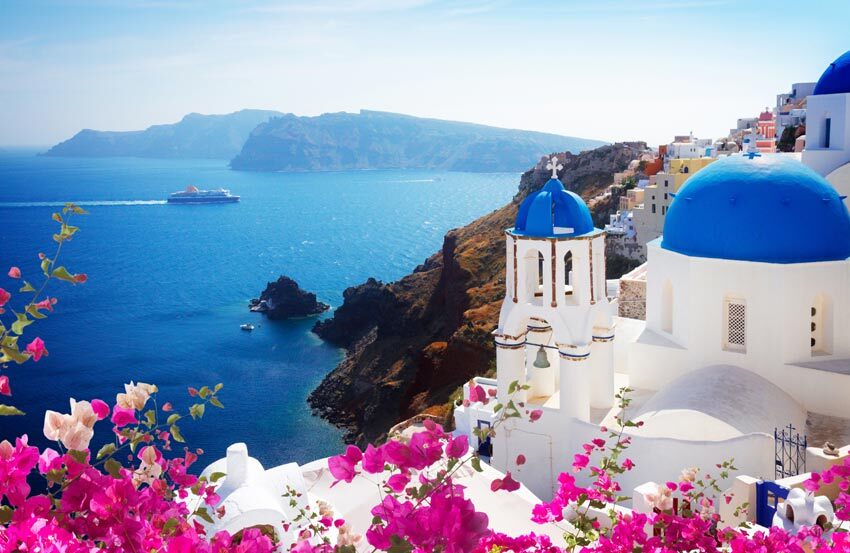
x,y
736,324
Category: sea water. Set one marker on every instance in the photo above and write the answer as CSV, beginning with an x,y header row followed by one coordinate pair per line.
x,y
169,284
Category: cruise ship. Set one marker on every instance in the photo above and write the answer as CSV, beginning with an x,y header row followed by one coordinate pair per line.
x,y
194,196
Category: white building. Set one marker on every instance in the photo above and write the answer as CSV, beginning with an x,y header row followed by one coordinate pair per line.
x,y
828,125
790,107
747,327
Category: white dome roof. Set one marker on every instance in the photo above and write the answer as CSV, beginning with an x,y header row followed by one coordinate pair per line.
x,y
716,403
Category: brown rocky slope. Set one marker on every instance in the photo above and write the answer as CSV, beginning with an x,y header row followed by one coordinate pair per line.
x,y
412,342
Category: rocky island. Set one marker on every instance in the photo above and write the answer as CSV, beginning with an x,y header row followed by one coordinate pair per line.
x,y
411,343
284,299
381,140
196,136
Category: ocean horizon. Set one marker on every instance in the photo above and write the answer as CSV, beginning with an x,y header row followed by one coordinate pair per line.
x,y
169,285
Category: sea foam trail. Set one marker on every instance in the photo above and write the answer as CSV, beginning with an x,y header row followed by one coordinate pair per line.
x,y
83,203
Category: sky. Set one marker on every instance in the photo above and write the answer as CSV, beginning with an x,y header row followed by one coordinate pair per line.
x,y
605,69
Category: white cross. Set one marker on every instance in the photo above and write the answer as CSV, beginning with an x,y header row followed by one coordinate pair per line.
x,y
554,166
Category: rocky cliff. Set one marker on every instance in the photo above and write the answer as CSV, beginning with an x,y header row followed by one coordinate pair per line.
x,y
195,136
379,140
284,299
411,343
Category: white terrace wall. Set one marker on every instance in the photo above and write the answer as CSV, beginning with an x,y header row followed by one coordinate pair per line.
x,y
550,443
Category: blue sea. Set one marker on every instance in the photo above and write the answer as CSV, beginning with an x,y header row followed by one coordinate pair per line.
x,y
169,285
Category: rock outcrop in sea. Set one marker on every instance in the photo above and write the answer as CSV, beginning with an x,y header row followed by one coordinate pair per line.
x,y
284,299
411,343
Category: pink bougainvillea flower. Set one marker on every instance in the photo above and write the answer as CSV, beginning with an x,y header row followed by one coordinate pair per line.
x,y
101,409
628,464
80,278
122,416
4,386
16,462
397,482
4,297
36,349
507,484
520,459
46,303
457,447
167,407
49,460
580,461
535,415
373,460
15,272
342,467
477,393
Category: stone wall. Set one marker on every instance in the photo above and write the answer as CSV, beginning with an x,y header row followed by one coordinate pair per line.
x,y
633,294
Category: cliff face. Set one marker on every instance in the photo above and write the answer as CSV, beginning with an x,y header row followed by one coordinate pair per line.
x,y
379,140
411,343
195,136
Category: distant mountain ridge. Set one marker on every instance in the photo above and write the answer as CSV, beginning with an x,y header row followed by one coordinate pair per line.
x,y
382,140
194,136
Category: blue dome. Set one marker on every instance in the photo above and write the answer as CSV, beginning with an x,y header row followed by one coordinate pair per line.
x,y
836,78
770,209
553,211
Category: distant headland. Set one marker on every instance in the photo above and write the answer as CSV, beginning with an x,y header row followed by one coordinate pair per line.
x,y
258,140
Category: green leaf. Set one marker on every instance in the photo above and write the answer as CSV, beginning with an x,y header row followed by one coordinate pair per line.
x,y
45,266
27,287
150,416
5,514
108,449
204,392
175,433
172,419
202,513
169,525
399,545
8,410
79,456
33,310
57,218
12,353
214,400
218,388
197,410
476,464
216,476
113,467
62,274
22,322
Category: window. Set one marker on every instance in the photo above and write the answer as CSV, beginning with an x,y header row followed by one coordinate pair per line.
x,y
663,209
665,195
687,169
540,261
827,130
653,207
735,338
568,267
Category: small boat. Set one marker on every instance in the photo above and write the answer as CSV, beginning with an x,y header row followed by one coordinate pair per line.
x,y
247,326
192,195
